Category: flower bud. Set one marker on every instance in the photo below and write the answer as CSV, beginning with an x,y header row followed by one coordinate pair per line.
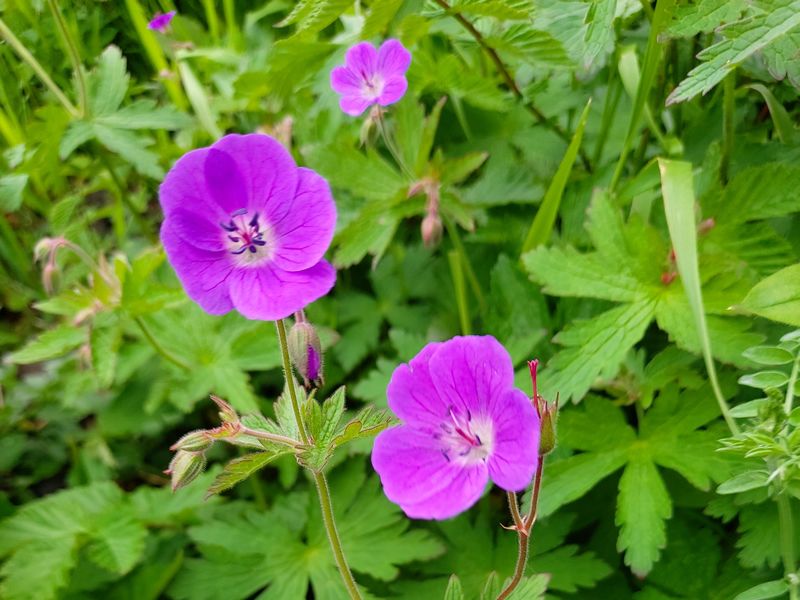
x,y
548,414
185,467
196,441
226,412
431,230
305,351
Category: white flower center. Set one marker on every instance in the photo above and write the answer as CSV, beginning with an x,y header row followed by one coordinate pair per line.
x,y
247,238
466,439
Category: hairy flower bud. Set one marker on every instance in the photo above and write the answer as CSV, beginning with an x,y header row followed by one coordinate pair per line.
x,y
305,351
226,412
431,230
185,467
548,414
194,441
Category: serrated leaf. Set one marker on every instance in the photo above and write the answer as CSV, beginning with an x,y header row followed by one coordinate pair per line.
x,y
105,342
740,41
129,147
50,344
240,469
531,46
108,83
117,542
530,588
368,422
757,193
704,16
144,114
454,590
38,570
642,508
312,16
777,297
600,34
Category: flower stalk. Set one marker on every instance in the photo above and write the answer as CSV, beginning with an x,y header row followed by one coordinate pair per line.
x,y
73,55
320,481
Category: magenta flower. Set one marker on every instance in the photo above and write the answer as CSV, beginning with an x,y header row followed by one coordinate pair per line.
x,y
246,228
161,22
463,423
371,76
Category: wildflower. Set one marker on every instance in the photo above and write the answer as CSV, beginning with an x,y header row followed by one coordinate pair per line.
x,y
371,76
245,228
463,423
161,22
305,350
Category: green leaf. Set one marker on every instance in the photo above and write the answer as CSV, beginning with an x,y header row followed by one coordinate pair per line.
x,y
367,423
312,16
777,297
542,225
38,571
749,480
129,147
530,588
769,355
199,100
240,469
704,16
531,46
379,17
11,188
784,126
117,542
144,114
600,35
499,9
108,83
105,342
740,41
454,590
50,344
763,591
756,193
594,348
765,379
642,508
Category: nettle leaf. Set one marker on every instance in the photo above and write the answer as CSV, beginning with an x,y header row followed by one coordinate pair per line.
x,y
704,16
50,344
239,469
740,41
781,58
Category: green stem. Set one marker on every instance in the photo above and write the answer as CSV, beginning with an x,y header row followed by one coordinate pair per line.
x,y
74,56
333,536
31,61
790,390
270,437
519,570
613,94
212,20
460,291
229,8
319,478
472,278
287,374
389,142
158,347
787,543
728,124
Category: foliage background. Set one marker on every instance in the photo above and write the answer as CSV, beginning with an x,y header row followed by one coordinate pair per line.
x,y
100,376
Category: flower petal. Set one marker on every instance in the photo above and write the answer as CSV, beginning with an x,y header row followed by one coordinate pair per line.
x,y
184,187
344,81
417,475
268,293
393,59
472,373
268,171
195,229
225,181
393,90
411,393
204,275
515,450
362,60
303,228
354,105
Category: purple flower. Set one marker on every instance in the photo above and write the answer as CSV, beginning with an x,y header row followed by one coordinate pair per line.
x,y
161,22
463,423
371,76
246,228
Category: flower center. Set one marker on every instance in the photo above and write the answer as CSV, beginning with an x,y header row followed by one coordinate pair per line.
x,y
466,440
372,87
245,238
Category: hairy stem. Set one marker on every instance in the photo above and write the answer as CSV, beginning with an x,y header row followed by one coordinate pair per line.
x,y
287,374
158,347
333,536
319,478
523,528
30,60
270,437
728,124
509,80
75,58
